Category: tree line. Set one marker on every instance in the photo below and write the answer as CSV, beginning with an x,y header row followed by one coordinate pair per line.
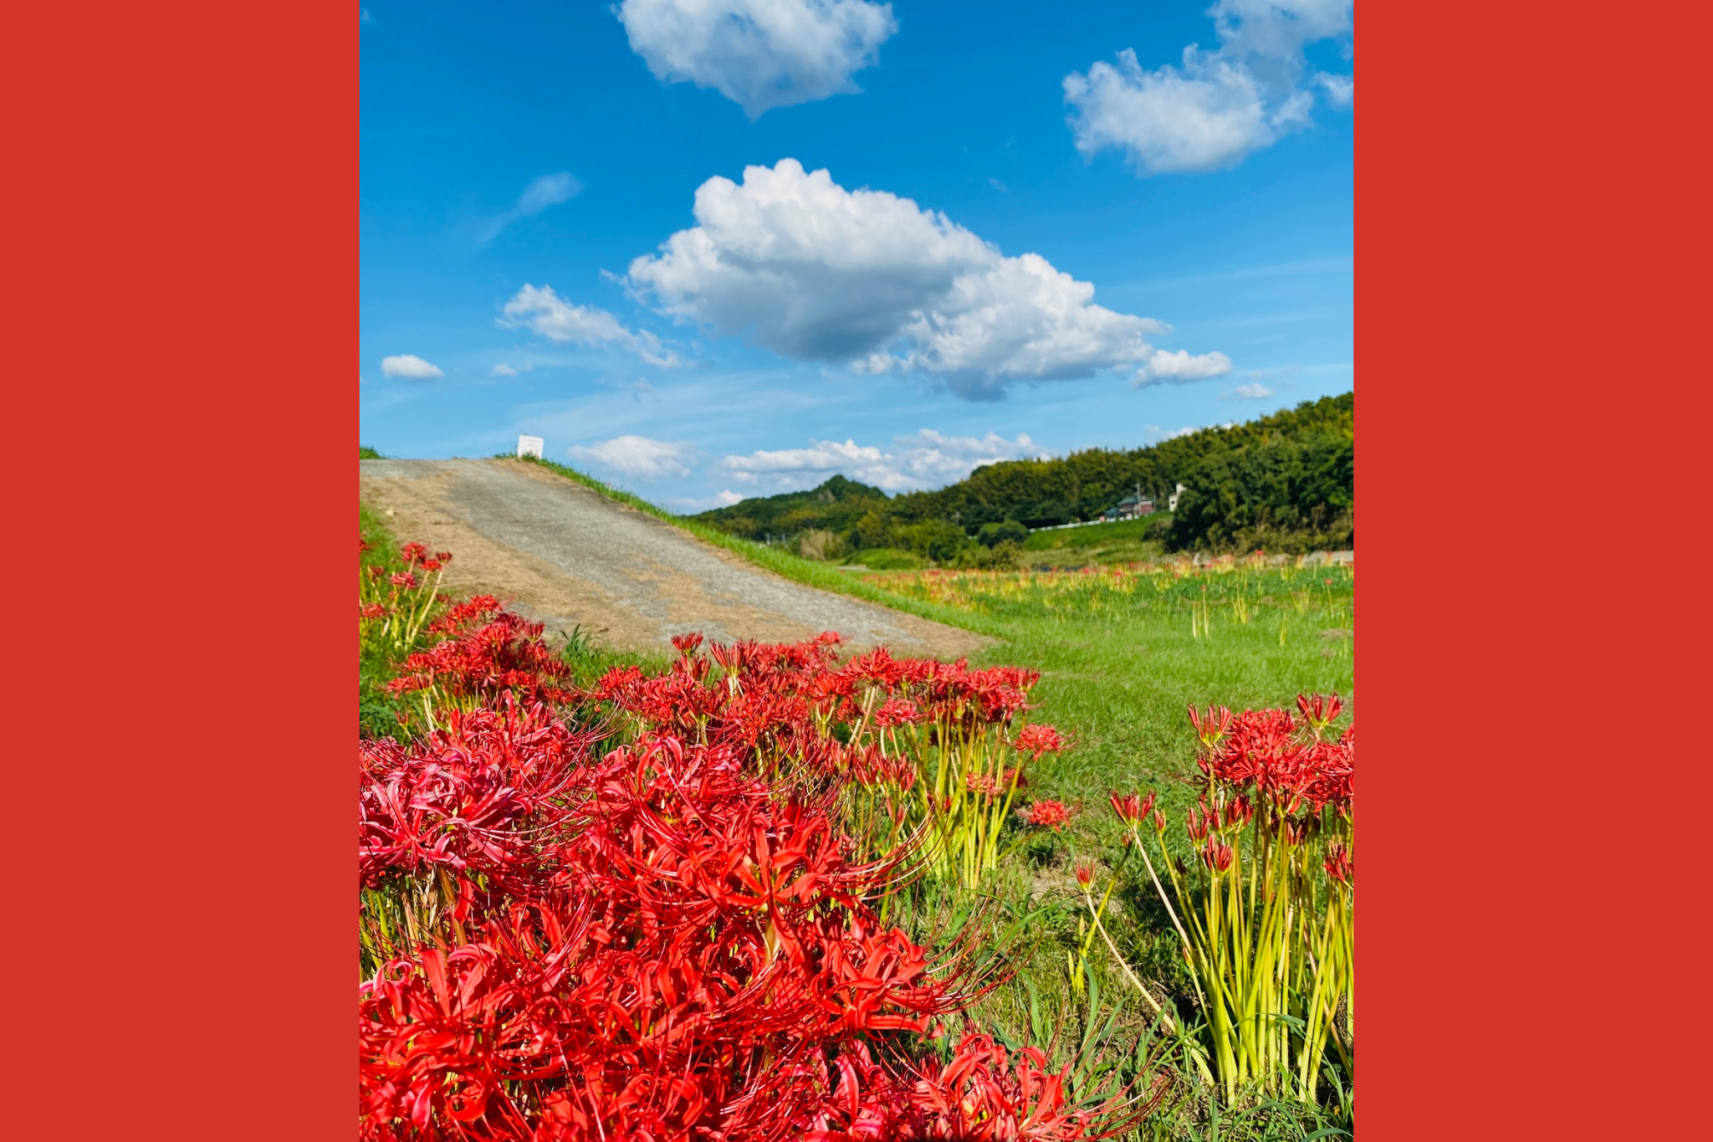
x,y
1284,482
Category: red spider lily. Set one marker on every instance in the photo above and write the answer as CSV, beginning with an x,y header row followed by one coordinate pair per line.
x,y
404,579
1131,807
686,644
1340,865
1210,727
1217,855
1085,873
1048,814
1036,740
1319,711
897,712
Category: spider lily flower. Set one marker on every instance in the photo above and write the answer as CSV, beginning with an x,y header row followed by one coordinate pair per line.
x,y
1047,814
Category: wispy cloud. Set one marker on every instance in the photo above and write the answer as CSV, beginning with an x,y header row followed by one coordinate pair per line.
x,y
548,190
721,499
1253,391
548,315
636,388
411,367
1180,368
924,459
1243,273
638,456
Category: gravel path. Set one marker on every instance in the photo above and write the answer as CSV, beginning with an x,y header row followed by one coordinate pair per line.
x,y
565,555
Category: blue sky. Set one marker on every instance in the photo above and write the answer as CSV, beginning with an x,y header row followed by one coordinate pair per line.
x,y
716,248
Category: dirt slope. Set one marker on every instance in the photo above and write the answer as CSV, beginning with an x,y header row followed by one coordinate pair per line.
x,y
565,555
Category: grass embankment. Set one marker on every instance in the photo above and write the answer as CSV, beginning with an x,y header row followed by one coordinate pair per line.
x,y
1122,541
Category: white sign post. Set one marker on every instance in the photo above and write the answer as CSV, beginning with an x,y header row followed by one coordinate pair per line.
x,y
529,446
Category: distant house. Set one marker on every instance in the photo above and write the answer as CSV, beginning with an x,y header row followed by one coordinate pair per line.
x,y
1130,507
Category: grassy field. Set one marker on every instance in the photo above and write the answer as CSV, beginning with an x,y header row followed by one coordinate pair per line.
x,y
1123,652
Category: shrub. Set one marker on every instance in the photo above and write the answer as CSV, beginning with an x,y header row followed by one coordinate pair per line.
x,y
936,539
889,559
993,534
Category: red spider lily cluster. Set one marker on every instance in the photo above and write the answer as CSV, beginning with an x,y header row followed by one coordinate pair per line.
x,y
392,606
672,939
1288,762
487,652
936,746
1280,796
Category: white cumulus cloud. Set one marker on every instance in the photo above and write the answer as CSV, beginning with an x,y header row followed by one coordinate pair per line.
x,y
813,271
1205,116
1252,391
546,314
760,54
502,370
411,366
548,190
638,456
923,459
1218,106
1180,368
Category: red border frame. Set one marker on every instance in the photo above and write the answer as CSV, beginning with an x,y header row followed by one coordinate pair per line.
x,y
182,274
1529,204
182,284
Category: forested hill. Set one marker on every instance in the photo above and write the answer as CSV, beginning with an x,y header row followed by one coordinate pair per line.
x,y
1283,482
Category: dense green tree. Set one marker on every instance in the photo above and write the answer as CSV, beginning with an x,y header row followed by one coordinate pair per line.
x,y
1284,482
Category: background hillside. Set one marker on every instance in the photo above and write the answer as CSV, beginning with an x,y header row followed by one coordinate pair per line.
x,y
1285,482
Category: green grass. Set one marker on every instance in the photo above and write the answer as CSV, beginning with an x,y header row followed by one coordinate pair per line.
x,y
1119,664
886,559
1092,535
